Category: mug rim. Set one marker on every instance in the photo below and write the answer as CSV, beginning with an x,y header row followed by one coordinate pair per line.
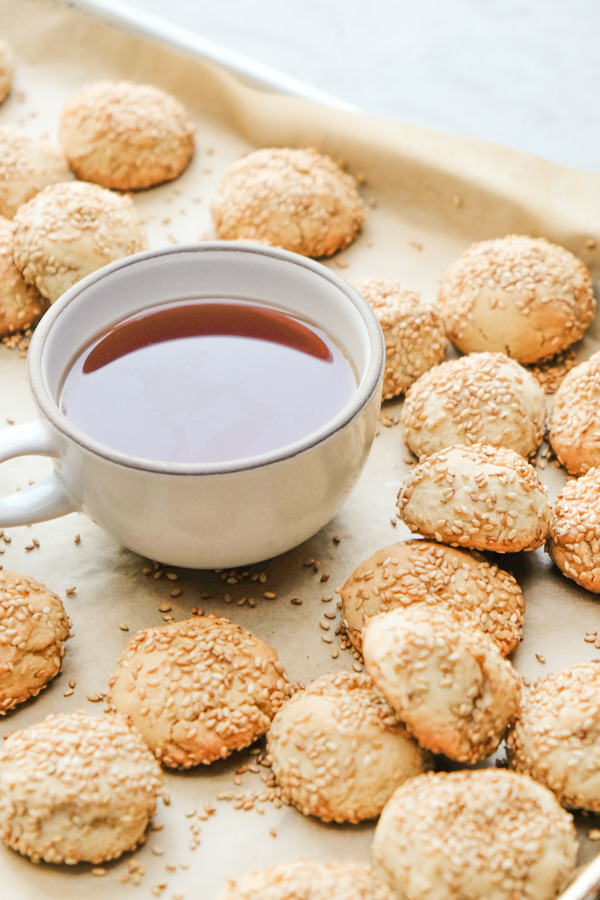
x,y
366,388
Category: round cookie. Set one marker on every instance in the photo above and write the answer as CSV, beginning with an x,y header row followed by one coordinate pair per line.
x,y
28,164
198,689
33,628
482,497
21,304
574,426
300,200
75,788
556,739
71,229
126,136
307,880
419,571
519,295
445,681
574,537
413,332
7,70
480,833
480,398
337,751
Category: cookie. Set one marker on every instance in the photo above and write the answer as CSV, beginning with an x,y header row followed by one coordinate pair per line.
x,y
574,537
480,833
7,70
75,788
448,683
517,295
413,332
21,304
33,629
307,880
28,164
574,426
300,200
71,229
337,751
419,571
482,398
482,497
556,739
126,136
198,689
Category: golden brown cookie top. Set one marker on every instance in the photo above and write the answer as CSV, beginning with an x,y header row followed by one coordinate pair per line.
x,y
520,295
28,164
125,135
198,689
298,199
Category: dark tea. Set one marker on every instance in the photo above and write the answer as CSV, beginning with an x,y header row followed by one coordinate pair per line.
x,y
207,381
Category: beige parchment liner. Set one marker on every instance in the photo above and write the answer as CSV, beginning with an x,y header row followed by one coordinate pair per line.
x,y
430,195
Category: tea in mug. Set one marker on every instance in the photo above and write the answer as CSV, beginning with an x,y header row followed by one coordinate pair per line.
x,y
204,381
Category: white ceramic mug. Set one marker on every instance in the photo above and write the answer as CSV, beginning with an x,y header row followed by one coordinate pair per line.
x,y
210,515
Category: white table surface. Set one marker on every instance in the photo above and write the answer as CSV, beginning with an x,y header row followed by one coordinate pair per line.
x,y
524,73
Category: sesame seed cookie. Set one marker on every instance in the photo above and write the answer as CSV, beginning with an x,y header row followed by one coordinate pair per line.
x,y
480,833
574,536
337,751
519,295
126,136
482,497
445,681
33,628
71,229
413,332
300,200
303,879
28,164
574,426
7,70
419,571
198,689
556,739
21,304
480,398
75,788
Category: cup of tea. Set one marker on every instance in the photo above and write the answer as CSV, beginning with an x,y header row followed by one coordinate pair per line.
x,y
209,405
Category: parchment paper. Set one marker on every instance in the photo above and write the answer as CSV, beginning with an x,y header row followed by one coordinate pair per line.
x,y
430,195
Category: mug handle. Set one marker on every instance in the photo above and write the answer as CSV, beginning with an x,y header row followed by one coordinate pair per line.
x,y
47,499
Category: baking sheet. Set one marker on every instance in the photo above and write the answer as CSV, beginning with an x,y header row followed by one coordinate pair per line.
x,y
430,195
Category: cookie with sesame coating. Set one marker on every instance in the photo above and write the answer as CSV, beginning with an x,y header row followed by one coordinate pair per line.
x,y
574,536
445,680
76,788
574,425
298,199
420,571
307,880
33,629
126,136
556,739
518,295
28,164
477,833
21,304
479,497
198,689
337,750
413,332
479,398
71,229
